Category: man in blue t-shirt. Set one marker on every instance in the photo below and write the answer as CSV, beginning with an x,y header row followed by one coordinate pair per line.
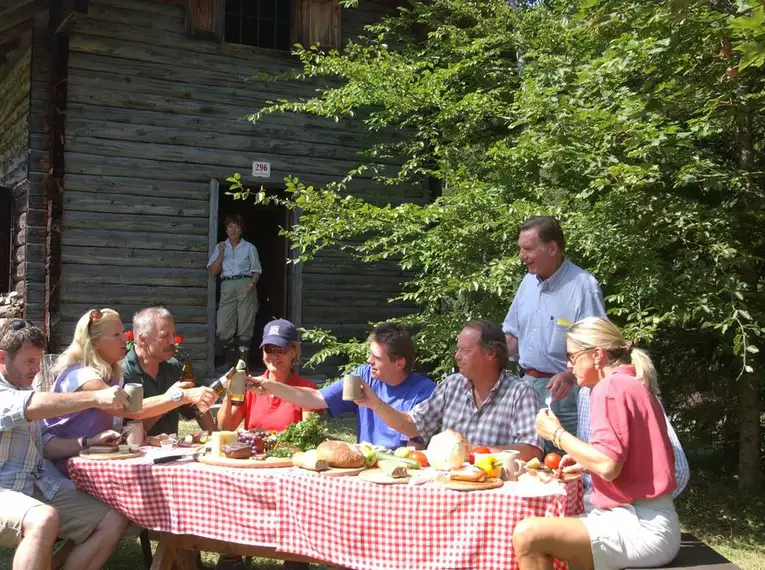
x,y
388,373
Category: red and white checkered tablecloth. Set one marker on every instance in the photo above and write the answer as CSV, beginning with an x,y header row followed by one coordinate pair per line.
x,y
364,526
236,505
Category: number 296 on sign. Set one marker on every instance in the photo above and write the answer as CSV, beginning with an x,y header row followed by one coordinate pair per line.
x,y
261,169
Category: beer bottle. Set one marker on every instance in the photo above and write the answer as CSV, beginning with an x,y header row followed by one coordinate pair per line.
x,y
238,384
188,371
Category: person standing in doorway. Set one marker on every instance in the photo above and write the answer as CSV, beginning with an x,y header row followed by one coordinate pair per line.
x,y
237,262
553,296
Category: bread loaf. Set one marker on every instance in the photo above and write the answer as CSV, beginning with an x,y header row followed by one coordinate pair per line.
x,y
447,450
340,454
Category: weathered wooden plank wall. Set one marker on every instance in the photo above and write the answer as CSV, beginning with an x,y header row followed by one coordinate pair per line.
x,y
153,115
39,170
15,82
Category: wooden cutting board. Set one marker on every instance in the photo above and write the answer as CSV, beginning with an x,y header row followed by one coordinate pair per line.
x,y
379,477
447,483
123,453
267,463
335,472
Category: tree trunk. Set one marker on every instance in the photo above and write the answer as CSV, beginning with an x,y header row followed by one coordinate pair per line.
x,y
749,469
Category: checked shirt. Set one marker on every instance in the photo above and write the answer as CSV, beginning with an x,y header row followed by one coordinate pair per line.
x,y
507,416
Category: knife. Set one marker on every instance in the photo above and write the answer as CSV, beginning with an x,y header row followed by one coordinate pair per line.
x,y
177,457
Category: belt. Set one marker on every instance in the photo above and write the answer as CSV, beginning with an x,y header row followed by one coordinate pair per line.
x,y
537,374
235,277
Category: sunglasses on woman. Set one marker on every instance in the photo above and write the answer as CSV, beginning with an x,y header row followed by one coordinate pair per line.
x,y
573,356
273,349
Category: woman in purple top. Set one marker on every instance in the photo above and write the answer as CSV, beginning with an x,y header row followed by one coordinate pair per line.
x,y
93,361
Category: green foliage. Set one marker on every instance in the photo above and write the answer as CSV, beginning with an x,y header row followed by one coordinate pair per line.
x,y
637,123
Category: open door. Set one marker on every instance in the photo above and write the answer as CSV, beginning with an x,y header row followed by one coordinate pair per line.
x,y
262,225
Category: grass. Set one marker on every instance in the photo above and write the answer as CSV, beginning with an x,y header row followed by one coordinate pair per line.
x,y
712,508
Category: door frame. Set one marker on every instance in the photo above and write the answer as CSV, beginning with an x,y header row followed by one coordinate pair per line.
x,y
294,277
212,240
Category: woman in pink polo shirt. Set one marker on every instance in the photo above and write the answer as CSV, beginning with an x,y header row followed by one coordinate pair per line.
x,y
633,522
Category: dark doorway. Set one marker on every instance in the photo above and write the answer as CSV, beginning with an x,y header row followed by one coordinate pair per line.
x,y
262,225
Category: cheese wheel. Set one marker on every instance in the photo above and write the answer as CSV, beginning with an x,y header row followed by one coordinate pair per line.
x,y
218,439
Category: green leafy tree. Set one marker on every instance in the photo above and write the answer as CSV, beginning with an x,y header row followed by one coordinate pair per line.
x,y
637,123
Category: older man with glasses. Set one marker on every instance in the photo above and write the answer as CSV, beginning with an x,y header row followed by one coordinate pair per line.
x,y
38,504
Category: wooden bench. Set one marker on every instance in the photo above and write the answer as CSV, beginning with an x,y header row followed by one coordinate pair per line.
x,y
695,554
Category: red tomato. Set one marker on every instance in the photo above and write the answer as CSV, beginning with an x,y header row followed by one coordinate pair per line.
x,y
419,457
552,460
480,449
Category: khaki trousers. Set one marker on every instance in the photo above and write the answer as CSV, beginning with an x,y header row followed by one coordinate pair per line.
x,y
236,311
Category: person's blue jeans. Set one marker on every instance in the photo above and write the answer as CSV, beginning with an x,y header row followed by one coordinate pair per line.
x,y
564,409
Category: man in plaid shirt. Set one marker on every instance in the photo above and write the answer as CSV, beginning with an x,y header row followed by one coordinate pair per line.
x,y
484,401
38,503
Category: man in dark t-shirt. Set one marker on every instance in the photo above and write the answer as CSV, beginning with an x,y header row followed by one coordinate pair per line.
x,y
151,363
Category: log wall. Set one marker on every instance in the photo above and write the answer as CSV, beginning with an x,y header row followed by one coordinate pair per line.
x,y
152,116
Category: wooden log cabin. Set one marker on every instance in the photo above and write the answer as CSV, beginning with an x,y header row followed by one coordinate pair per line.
x,y
120,121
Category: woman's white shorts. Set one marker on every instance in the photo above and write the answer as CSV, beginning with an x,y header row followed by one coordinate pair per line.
x,y
643,534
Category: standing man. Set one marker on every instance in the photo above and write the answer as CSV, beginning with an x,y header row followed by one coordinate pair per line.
x,y
237,262
39,505
483,401
388,374
151,363
553,296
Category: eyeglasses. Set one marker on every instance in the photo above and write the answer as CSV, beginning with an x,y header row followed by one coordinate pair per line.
x,y
273,349
573,356
95,315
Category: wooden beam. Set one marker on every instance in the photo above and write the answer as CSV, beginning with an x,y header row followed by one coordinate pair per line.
x,y
212,240
19,13
64,12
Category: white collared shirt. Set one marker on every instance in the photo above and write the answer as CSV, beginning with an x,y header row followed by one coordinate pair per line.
x,y
240,260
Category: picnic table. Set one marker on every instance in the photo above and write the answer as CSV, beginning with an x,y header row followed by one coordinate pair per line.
x,y
295,515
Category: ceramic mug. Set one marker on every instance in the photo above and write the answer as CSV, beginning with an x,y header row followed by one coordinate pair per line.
x,y
351,387
134,392
512,464
135,433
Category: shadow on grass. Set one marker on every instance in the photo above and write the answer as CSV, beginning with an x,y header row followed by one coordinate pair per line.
x,y
729,520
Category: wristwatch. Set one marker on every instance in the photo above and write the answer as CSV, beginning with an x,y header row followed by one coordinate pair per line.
x,y
176,395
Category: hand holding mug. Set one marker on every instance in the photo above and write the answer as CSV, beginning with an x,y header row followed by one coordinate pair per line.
x,y
112,398
367,398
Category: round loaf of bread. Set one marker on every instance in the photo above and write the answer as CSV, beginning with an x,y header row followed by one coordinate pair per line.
x,y
447,450
340,454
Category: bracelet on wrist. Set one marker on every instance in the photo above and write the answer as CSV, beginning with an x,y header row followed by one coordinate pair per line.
x,y
557,435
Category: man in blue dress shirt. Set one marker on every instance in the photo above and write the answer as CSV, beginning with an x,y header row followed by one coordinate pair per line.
x,y
552,296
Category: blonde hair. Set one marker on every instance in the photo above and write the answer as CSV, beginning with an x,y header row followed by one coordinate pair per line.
x,y
598,332
81,351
